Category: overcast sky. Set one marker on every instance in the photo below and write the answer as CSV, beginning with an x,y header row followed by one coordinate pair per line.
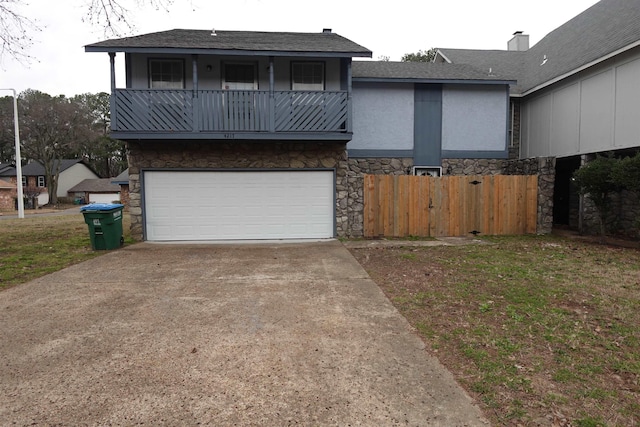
x,y
400,26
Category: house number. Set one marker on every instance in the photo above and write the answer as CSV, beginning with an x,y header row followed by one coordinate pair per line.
x,y
229,135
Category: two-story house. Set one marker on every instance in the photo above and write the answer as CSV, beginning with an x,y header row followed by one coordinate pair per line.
x,y
261,135
234,134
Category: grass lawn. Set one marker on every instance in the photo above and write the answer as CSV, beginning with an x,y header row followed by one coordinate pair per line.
x,y
540,330
38,245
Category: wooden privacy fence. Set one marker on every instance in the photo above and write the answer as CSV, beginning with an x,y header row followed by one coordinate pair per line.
x,y
401,206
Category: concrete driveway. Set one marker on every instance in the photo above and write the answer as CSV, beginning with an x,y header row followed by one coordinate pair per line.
x,y
247,335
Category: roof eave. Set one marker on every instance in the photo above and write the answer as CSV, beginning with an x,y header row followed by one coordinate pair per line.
x,y
432,80
230,52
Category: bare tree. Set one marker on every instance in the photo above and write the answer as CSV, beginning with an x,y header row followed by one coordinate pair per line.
x,y
52,128
107,156
114,16
16,31
7,138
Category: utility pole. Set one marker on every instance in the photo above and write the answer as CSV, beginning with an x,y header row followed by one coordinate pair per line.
x,y
18,156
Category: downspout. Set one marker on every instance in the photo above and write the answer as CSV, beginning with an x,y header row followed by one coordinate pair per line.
x,y
112,100
349,103
513,116
583,161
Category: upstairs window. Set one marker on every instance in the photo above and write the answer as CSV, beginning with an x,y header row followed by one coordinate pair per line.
x,y
24,181
307,76
166,74
240,76
41,181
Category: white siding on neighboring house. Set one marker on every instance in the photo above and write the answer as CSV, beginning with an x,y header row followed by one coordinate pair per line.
x,y
598,110
474,118
565,125
596,107
536,126
43,198
103,197
72,176
627,118
382,117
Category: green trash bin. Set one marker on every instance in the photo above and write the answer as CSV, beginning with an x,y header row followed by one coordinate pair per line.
x,y
105,225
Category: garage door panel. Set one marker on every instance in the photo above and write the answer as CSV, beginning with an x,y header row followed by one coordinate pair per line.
x,y
238,205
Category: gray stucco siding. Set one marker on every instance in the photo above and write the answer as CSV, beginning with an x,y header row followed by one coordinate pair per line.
x,y
474,119
383,116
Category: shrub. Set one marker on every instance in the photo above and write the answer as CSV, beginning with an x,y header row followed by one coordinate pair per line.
x,y
596,179
626,173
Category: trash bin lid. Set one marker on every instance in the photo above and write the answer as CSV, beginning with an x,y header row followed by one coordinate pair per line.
x,y
101,207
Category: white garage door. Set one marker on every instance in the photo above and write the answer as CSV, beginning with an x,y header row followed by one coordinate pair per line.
x,y
103,197
238,205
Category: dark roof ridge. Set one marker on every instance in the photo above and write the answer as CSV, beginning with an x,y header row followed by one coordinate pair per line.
x,y
221,41
603,29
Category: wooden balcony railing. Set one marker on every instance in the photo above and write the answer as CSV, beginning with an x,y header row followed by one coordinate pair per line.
x,y
211,111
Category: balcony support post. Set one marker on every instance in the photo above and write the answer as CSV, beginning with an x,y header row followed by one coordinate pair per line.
x,y
272,102
194,98
112,98
349,103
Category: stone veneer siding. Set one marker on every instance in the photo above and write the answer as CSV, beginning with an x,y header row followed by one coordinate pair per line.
x,y
623,218
236,155
543,167
355,183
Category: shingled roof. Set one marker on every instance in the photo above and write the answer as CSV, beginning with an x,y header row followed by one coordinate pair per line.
x,y
122,179
238,42
606,28
36,169
508,64
7,169
421,72
102,185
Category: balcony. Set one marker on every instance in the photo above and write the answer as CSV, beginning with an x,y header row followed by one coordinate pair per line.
x,y
230,114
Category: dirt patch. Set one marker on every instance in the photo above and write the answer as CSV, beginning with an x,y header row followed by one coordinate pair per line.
x,y
541,330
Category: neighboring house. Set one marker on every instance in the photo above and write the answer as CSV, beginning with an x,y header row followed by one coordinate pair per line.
x,y
577,92
6,168
7,195
254,135
72,171
123,181
96,191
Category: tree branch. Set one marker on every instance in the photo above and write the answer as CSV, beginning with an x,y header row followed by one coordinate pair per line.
x,y
114,17
15,30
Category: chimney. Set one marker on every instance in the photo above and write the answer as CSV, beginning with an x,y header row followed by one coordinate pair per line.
x,y
326,30
519,42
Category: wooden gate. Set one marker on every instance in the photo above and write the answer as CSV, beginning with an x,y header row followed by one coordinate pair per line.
x,y
401,206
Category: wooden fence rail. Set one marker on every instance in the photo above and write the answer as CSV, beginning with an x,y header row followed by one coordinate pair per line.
x,y
401,206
